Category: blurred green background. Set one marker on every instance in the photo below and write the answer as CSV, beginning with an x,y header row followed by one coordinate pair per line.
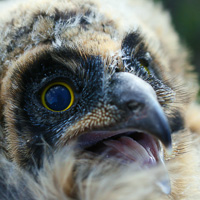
x,y
186,20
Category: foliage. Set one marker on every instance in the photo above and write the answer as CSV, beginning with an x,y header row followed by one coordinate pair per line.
x,y
186,20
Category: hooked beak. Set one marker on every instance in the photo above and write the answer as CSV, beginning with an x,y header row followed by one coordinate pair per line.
x,y
143,112
140,110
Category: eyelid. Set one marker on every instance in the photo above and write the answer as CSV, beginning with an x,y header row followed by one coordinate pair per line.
x,y
54,84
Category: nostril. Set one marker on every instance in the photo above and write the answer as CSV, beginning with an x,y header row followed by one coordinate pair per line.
x,y
135,106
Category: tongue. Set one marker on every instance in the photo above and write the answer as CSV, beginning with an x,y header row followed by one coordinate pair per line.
x,y
129,150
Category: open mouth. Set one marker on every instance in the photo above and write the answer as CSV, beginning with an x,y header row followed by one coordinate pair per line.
x,y
129,147
126,147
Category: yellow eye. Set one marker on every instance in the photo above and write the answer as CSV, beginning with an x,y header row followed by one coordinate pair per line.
x,y
147,70
144,65
57,97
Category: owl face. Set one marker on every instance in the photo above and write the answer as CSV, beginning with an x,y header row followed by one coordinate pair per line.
x,y
64,95
74,78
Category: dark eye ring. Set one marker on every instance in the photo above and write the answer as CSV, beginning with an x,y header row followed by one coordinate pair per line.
x,y
57,97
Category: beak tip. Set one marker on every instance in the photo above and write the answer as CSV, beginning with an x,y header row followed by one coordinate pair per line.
x,y
167,142
169,149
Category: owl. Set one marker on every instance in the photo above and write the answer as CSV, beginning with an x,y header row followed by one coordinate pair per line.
x,y
97,103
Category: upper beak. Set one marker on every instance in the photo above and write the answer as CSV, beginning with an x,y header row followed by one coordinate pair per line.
x,y
142,111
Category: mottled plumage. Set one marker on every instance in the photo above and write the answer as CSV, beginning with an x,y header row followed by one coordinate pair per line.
x,y
127,77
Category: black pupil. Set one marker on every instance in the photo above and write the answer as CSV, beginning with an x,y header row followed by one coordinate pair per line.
x,y
58,97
